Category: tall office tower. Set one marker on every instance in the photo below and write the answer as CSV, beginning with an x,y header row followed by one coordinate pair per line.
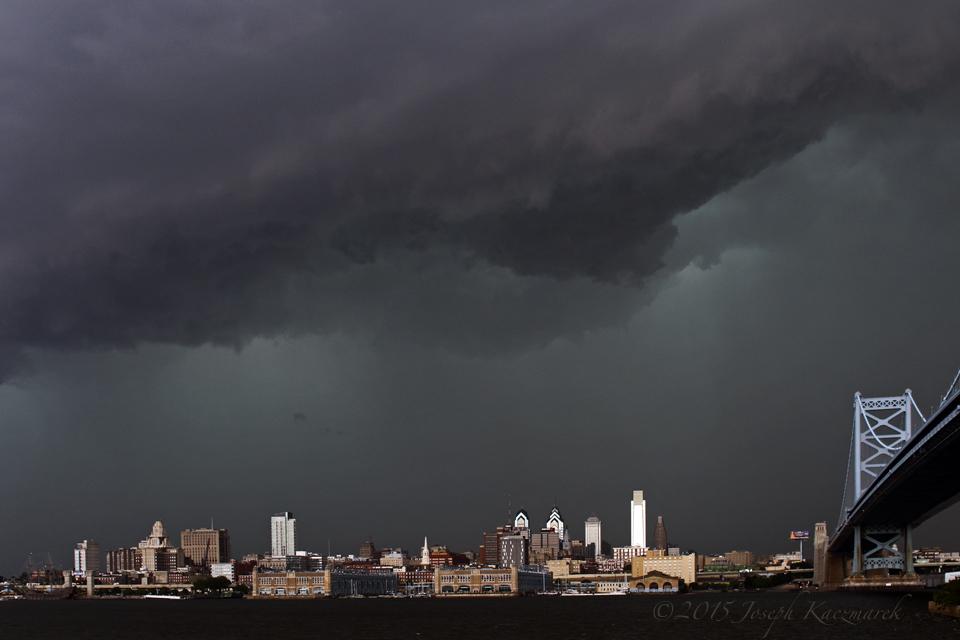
x,y
156,552
660,535
86,557
425,553
490,549
368,551
593,536
203,547
544,546
521,520
555,522
638,520
514,551
283,534
157,538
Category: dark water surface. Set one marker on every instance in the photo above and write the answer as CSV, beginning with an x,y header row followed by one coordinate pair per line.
x,y
735,615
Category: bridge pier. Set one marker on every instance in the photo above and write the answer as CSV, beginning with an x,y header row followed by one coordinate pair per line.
x,y
857,569
876,551
907,536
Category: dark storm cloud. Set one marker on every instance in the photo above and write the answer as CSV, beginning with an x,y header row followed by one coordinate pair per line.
x,y
193,173
820,276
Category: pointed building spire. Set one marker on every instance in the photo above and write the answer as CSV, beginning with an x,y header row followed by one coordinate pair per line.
x,y
660,535
425,553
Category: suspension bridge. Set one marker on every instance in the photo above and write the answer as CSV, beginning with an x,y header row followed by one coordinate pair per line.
x,y
901,471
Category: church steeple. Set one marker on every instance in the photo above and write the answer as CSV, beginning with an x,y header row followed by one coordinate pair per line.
x,y
425,553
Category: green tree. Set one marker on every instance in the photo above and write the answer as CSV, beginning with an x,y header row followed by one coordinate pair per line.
x,y
206,584
948,594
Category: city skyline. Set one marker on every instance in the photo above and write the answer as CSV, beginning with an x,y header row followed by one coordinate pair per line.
x,y
248,264
283,525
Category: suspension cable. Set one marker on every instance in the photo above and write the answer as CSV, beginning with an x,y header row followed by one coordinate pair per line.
x,y
846,477
876,436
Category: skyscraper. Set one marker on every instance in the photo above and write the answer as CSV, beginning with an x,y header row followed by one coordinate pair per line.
x,y
368,551
544,546
521,520
593,535
514,551
156,552
555,522
202,547
283,534
638,520
660,535
86,557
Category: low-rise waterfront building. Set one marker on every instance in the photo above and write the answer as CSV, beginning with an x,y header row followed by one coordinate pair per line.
x,y
414,580
593,582
329,583
657,581
490,581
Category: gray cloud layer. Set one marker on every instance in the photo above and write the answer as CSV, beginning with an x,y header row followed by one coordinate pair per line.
x,y
726,396
692,228
192,174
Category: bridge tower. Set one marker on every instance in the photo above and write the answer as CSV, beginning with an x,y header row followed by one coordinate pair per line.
x,y
899,474
881,428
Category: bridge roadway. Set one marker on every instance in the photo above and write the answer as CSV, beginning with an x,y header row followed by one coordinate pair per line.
x,y
919,482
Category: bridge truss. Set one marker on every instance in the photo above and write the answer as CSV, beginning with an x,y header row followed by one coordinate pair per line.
x,y
881,428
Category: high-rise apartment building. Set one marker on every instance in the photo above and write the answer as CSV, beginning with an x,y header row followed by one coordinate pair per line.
x,y
593,536
203,547
86,557
660,535
283,534
638,520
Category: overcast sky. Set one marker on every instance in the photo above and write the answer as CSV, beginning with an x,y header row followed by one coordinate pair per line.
x,y
397,267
